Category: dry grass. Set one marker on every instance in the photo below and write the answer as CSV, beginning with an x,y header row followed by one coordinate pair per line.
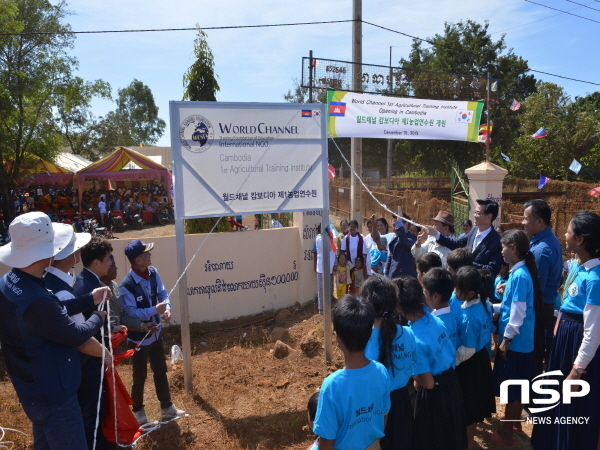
x,y
243,397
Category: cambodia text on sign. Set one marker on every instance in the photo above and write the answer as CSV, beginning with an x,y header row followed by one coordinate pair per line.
x,y
246,158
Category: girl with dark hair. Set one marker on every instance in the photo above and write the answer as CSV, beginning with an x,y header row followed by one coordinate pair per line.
x,y
353,244
514,355
473,366
439,411
393,346
574,349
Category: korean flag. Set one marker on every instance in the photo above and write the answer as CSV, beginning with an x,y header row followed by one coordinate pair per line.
x,y
464,116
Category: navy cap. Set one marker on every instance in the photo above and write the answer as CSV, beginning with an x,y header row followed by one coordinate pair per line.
x,y
136,248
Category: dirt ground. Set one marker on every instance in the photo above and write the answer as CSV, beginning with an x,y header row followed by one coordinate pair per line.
x,y
243,397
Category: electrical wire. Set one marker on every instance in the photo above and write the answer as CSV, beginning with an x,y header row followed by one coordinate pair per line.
x,y
152,30
585,6
565,12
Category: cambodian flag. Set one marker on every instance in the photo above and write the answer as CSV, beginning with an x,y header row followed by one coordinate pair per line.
x,y
337,109
306,113
543,182
515,105
541,133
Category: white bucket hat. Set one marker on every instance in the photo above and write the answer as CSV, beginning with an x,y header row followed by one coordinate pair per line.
x,y
33,238
77,241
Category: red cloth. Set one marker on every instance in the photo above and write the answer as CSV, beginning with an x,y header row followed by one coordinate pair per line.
x,y
128,429
147,216
145,274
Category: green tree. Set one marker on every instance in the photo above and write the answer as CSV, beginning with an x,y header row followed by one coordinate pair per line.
x,y
200,84
573,132
34,70
74,118
464,48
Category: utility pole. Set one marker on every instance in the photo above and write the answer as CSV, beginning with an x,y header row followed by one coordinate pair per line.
x,y
356,143
389,142
488,120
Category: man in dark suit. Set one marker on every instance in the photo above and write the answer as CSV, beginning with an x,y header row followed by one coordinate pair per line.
x,y
482,239
401,262
95,257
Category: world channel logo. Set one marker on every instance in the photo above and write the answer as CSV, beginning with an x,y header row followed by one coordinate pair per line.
x,y
196,133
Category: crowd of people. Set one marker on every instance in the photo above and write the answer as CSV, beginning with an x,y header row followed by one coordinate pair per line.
x,y
55,333
62,205
421,325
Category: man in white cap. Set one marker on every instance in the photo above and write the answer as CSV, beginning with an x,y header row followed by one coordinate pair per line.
x,y
39,340
59,281
444,224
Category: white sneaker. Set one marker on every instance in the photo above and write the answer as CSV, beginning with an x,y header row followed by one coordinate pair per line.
x,y
171,412
140,416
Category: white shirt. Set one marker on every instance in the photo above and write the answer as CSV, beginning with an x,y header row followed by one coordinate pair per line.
x,y
591,327
369,243
319,245
353,247
66,295
431,245
480,236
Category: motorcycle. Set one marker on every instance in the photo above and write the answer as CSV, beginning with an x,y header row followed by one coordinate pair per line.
x,y
133,219
116,222
163,217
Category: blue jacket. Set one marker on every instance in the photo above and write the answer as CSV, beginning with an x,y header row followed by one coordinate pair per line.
x,y
72,306
487,255
85,282
39,340
548,258
401,262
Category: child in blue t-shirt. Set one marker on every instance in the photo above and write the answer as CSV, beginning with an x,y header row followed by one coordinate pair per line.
x,y
514,355
395,347
473,365
438,288
439,412
456,259
313,401
378,255
353,401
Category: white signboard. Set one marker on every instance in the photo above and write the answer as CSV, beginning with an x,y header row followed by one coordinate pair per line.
x,y
248,158
373,116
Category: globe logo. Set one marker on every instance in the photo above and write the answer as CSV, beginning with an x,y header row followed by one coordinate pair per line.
x,y
196,133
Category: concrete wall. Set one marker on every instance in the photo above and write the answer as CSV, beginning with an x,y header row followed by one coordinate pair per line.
x,y
235,274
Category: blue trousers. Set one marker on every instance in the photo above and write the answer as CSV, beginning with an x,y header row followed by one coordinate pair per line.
x,y
57,427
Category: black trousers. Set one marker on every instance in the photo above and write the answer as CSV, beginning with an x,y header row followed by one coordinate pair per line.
x,y
542,318
155,354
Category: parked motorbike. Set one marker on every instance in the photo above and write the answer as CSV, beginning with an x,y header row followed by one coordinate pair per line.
x,y
162,216
117,223
133,219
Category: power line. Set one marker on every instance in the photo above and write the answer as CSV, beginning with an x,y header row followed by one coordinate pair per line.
x,y
566,12
585,6
437,44
566,78
176,29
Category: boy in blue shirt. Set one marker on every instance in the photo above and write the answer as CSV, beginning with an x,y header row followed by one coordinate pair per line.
x,y
353,401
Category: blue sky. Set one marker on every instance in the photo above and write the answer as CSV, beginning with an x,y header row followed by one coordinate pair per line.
x,y
260,64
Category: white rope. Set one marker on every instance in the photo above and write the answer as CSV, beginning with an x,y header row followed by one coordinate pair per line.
x,y
112,371
7,444
369,191
100,308
193,257
148,428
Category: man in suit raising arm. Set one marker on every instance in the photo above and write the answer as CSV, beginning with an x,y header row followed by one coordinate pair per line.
x,y
482,239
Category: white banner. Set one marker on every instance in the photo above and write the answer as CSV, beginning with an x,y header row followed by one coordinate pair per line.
x,y
248,158
372,116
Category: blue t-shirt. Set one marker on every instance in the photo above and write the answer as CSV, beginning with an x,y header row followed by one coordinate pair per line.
x,y
548,258
519,288
404,353
475,326
585,289
352,406
435,351
449,318
455,305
